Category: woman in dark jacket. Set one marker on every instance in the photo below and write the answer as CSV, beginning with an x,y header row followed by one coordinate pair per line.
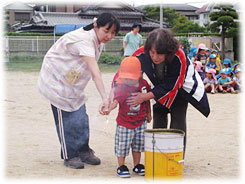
x,y
175,81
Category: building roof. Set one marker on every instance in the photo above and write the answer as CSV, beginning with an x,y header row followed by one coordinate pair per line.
x,y
180,7
117,8
206,8
53,18
50,19
112,5
18,6
126,15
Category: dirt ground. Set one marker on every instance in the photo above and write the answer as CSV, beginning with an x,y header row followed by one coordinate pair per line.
x,y
33,152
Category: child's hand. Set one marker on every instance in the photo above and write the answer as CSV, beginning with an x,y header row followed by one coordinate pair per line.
x,y
149,118
103,109
112,106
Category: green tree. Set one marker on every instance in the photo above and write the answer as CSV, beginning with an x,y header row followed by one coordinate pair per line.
x,y
185,43
179,23
169,15
183,25
223,21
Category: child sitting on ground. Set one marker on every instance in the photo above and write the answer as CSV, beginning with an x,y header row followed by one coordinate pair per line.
x,y
236,66
224,82
212,62
131,120
193,53
201,54
229,72
227,63
210,81
237,82
218,61
199,68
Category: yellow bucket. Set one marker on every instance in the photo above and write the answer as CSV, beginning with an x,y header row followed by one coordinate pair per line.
x,y
164,153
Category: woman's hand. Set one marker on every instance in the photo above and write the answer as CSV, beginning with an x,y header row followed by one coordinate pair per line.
x,y
104,107
136,99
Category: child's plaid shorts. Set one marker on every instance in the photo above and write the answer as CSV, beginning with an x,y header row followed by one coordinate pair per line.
x,y
126,137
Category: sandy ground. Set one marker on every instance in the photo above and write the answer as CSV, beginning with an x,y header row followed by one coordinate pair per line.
x,y
33,150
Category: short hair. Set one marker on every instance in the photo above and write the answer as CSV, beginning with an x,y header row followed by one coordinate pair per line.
x,y
164,42
135,24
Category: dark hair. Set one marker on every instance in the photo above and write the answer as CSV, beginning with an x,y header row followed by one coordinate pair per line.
x,y
164,42
103,19
199,50
137,24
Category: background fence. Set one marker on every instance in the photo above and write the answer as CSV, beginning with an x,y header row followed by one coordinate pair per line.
x,y
39,45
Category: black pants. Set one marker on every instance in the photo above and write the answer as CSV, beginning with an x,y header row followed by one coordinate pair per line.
x,y
177,115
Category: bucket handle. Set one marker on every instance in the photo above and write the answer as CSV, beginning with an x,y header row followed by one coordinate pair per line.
x,y
178,162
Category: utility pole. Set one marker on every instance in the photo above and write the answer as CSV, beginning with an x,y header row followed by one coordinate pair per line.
x,y
161,14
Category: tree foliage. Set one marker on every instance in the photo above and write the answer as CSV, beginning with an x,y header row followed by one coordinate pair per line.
x,y
169,15
178,23
223,19
183,25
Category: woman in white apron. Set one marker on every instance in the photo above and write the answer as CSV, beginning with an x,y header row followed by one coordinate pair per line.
x,y
67,67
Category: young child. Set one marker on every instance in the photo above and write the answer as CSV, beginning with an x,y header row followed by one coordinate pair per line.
x,y
224,82
210,81
229,72
131,120
237,82
218,61
208,52
199,69
236,66
227,63
212,62
201,54
192,54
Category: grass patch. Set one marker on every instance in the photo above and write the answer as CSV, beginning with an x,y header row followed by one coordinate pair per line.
x,y
105,68
26,63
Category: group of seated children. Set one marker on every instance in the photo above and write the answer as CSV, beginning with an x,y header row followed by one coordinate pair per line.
x,y
215,77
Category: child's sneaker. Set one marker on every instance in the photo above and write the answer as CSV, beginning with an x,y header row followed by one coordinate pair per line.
x,y
123,172
139,169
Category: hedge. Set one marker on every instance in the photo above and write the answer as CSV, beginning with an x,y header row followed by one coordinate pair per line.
x,y
107,58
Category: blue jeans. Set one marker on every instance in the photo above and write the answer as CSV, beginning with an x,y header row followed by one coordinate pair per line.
x,y
73,131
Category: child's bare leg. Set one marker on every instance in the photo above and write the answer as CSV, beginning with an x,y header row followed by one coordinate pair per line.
x,y
231,89
216,88
212,88
121,160
207,87
136,157
220,88
224,87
